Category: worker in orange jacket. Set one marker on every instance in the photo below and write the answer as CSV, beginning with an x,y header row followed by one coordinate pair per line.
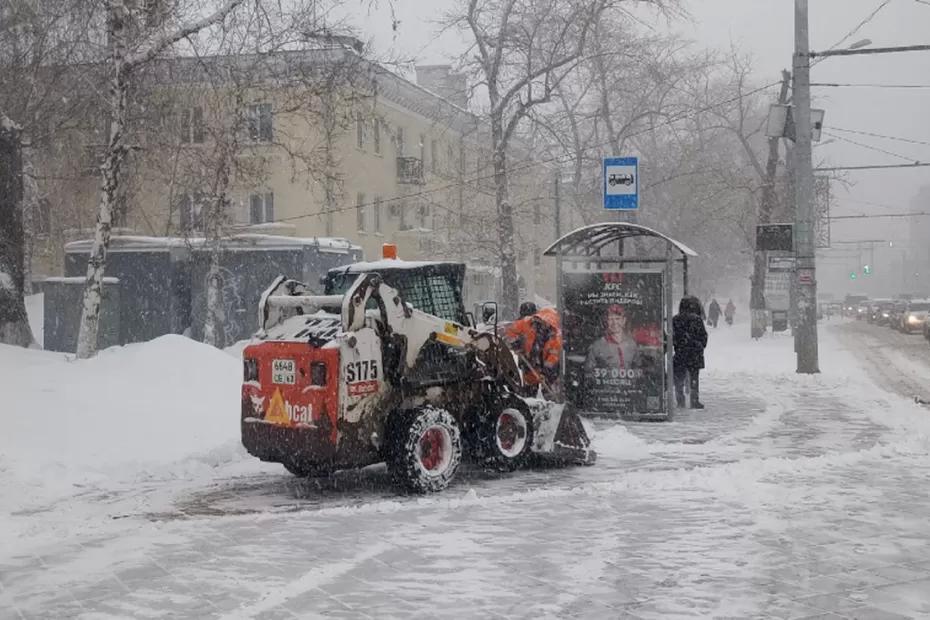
x,y
537,336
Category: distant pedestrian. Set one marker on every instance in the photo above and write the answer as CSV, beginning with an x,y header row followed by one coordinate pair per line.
x,y
713,313
729,313
689,337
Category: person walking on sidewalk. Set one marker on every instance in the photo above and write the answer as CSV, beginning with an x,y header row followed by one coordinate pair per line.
x,y
729,313
713,313
689,337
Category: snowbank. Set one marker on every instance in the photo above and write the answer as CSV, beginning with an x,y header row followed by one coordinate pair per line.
x,y
127,414
35,309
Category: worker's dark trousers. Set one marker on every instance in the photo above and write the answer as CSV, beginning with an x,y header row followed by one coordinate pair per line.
x,y
693,374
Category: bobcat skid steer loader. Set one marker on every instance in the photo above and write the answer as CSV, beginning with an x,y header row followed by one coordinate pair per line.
x,y
347,380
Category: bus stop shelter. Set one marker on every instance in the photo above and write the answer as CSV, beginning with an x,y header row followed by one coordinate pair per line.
x,y
616,285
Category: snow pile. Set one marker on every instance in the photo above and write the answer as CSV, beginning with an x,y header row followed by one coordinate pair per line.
x,y
35,308
125,415
615,441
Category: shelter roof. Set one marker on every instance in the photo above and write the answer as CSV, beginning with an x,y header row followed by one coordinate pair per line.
x,y
589,240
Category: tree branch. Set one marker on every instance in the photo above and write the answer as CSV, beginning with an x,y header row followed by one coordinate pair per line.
x,y
169,39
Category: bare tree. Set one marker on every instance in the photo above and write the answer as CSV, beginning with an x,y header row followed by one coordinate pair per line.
x,y
132,43
522,50
14,324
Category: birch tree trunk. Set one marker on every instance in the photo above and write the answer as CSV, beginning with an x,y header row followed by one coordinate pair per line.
x,y
14,323
30,212
122,64
214,329
116,152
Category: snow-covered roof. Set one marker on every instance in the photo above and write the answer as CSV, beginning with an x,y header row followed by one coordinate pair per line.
x,y
78,280
389,263
596,236
129,243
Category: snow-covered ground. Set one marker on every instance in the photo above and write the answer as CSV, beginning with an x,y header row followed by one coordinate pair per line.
x,y
124,493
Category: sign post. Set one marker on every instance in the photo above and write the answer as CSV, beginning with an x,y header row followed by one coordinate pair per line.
x,y
621,183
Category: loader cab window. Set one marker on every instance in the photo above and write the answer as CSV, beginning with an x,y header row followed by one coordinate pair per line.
x,y
433,293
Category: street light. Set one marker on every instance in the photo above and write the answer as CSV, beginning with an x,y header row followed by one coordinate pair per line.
x,y
860,44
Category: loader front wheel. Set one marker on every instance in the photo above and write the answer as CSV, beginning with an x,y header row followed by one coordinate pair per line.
x,y
426,450
508,439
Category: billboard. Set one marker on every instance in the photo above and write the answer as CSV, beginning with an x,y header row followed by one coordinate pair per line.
x,y
612,330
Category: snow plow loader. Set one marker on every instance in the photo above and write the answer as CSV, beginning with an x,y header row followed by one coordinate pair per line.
x,y
345,380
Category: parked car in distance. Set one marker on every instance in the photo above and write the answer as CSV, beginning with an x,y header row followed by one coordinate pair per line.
x,y
894,314
915,316
880,311
862,310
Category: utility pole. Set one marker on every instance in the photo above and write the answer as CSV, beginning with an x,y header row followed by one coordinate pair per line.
x,y
806,333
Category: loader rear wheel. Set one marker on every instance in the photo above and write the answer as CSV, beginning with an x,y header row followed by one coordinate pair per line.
x,y
508,439
426,450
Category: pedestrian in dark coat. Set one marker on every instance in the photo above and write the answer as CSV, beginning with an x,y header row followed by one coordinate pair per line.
x,y
713,313
689,337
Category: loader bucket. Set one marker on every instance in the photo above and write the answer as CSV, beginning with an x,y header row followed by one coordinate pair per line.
x,y
560,435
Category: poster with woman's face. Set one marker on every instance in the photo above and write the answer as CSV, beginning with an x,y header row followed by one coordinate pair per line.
x,y
612,330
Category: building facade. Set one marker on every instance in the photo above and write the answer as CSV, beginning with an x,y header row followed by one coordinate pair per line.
x,y
316,143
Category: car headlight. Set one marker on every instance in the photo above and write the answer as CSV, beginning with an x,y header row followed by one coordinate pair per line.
x,y
885,315
913,319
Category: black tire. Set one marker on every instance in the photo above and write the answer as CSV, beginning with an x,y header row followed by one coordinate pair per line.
x,y
506,438
425,450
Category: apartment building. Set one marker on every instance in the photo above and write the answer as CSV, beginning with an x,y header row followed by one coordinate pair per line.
x,y
310,144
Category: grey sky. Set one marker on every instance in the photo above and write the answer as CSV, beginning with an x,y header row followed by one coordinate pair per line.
x,y
764,28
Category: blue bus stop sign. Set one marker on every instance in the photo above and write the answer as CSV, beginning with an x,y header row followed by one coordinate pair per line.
x,y
621,183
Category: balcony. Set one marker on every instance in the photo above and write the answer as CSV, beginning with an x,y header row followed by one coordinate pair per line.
x,y
410,171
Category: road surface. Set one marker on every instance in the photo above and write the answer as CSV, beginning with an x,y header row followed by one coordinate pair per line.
x,y
789,497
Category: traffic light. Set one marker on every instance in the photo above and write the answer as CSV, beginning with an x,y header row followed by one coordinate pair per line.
x,y
852,275
867,270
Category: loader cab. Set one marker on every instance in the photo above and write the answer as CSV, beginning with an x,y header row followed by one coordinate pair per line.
x,y
431,287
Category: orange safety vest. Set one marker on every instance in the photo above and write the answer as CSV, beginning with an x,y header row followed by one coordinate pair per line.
x,y
538,337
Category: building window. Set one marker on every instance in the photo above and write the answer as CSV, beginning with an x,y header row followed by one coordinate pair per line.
x,y
401,144
329,222
377,214
42,218
537,257
192,125
423,215
404,216
92,160
434,156
376,136
360,211
261,208
450,157
359,131
423,150
537,214
260,122
190,212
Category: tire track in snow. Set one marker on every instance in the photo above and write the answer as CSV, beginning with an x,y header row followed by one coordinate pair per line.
x,y
310,580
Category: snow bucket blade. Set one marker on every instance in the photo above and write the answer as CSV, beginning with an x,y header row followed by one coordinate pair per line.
x,y
560,435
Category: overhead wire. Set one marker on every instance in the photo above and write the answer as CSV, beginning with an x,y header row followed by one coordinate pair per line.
x,y
527,164
872,148
861,24
878,135
852,85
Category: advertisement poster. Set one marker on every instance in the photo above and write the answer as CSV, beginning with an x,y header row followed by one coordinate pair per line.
x,y
612,329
